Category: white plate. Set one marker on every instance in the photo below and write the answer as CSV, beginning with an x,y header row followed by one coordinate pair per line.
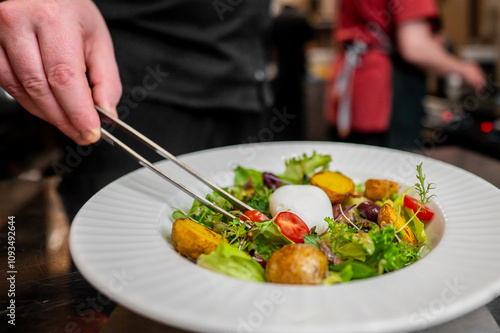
x,y
119,241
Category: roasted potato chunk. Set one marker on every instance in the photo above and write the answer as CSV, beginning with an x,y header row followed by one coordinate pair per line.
x,y
337,186
389,215
379,189
297,264
192,239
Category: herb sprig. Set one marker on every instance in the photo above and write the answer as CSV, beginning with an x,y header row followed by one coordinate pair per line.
x,y
423,193
422,189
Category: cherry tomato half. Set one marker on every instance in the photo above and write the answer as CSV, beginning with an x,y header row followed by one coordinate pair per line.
x,y
425,213
253,215
292,226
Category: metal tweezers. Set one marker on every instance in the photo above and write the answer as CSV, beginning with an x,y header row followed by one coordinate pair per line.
x,y
106,117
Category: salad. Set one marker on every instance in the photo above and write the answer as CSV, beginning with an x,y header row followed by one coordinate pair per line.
x,y
309,225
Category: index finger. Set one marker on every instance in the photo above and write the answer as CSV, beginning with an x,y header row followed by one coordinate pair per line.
x,y
62,52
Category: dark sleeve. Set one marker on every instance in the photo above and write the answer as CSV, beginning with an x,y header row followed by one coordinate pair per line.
x,y
308,31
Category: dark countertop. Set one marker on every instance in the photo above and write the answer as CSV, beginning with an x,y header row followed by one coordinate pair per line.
x,y
51,297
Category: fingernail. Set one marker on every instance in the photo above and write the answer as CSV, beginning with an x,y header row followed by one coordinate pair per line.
x,y
111,110
90,135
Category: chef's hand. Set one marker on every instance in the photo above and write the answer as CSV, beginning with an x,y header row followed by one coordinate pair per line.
x,y
473,75
46,49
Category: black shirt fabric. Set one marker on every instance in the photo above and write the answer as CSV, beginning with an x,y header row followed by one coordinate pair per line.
x,y
214,51
290,33
409,85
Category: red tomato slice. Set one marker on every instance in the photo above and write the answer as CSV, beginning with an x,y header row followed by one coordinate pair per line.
x,y
425,213
292,226
253,215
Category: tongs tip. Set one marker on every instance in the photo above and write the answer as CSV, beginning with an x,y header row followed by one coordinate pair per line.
x,y
107,117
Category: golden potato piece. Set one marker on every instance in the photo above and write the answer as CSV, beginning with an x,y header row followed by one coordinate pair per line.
x,y
337,186
192,239
297,264
388,215
378,189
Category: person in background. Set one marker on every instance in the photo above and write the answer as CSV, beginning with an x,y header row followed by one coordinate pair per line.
x,y
290,34
359,101
189,74
409,84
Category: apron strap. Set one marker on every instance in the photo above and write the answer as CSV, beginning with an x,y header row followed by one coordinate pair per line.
x,y
344,84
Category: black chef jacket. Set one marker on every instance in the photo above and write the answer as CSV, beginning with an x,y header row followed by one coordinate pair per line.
x,y
214,50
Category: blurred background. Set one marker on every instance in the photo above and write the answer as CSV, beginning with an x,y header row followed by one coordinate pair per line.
x,y
30,154
471,29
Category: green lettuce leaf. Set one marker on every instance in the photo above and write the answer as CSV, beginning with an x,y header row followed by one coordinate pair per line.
x,y
389,255
416,225
242,176
269,239
300,169
228,260
347,243
353,270
351,250
333,277
376,249
343,275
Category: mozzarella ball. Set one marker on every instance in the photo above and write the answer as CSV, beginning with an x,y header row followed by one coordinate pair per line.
x,y
308,202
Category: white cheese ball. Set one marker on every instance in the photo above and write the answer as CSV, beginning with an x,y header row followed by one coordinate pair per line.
x,y
308,202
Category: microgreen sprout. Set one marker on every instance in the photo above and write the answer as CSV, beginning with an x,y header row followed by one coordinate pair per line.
x,y
348,220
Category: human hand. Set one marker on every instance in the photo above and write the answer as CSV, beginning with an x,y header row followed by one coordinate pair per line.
x,y
46,49
473,75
